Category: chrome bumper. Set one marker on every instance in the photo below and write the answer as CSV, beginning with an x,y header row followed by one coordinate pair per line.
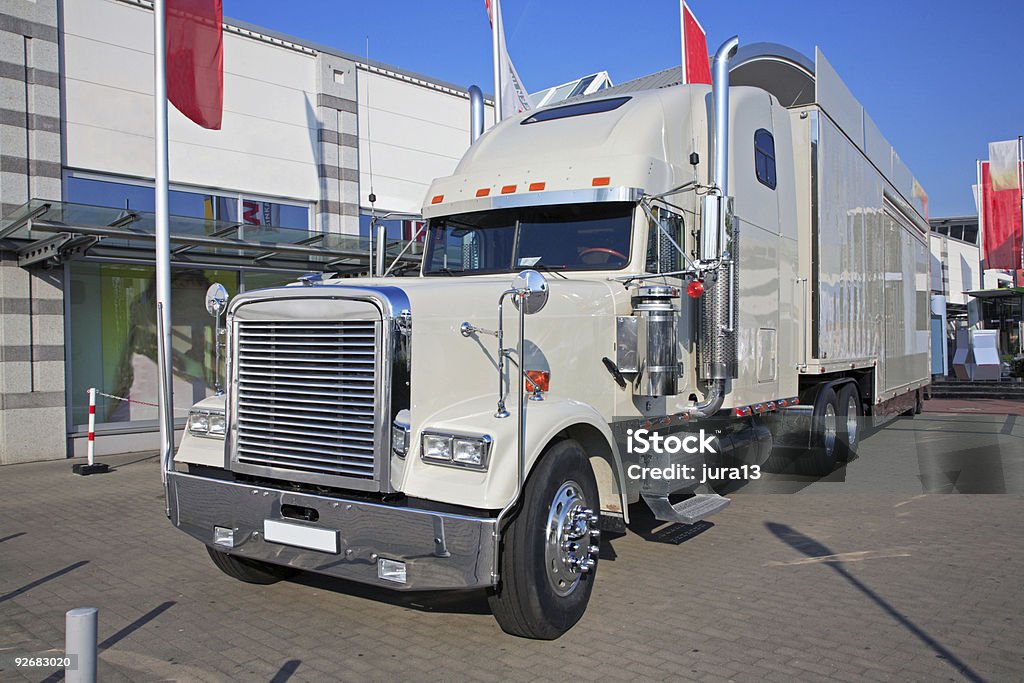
x,y
440,550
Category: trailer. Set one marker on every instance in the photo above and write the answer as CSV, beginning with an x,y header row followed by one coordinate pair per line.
x,y
616,292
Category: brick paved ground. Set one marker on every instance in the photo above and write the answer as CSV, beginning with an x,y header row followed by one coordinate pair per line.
x,y
849,585
974,405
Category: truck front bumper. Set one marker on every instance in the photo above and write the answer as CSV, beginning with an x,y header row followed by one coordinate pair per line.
x,y
352,537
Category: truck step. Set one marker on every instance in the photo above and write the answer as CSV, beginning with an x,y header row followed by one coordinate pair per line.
x,y
689,511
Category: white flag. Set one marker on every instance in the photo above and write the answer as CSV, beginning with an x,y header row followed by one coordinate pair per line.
x,y
1004,163
511,93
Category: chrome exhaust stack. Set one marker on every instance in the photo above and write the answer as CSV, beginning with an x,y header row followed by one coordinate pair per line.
x,y
476,113
719,250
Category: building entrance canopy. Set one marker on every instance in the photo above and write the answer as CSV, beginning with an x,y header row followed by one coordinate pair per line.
x,y
50,233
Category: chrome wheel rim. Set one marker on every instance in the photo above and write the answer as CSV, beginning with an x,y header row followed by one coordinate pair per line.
x,y
829,428
852,422
570,538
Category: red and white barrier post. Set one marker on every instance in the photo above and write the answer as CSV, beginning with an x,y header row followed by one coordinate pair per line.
x,y
91,467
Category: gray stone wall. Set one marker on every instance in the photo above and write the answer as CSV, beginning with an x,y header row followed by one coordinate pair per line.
x,y
338,160
32,412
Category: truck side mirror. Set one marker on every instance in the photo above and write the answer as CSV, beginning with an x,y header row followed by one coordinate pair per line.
x,y
216,299
216,303
534,286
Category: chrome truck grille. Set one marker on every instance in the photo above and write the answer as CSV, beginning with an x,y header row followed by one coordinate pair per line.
x,y
306,400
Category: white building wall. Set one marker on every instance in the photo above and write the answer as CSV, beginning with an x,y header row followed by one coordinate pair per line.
x,y
267,146
408,134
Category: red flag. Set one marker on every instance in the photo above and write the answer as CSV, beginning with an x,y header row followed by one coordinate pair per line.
x,y
696,66
195,60
1002,224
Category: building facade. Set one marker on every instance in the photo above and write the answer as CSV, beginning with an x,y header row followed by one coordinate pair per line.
x,y
309,133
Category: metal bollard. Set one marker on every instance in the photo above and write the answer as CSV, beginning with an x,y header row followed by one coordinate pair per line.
x,y
80,644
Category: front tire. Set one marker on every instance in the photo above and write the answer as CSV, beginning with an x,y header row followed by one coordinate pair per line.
x,y
549,549
249,571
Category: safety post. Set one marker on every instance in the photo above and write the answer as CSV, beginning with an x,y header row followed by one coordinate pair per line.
x,y
91,467
80,629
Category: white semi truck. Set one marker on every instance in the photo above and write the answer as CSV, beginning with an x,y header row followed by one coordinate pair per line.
x,y
747,260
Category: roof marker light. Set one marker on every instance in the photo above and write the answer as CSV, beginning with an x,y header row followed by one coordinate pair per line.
x,y
437,199
508,189
536,187
483,192
601,181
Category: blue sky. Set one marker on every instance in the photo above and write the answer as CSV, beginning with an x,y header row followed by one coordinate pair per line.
x,y
940,78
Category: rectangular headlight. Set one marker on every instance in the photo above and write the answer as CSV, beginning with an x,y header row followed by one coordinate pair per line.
x,y
456,449
199,423
206,423
217,424
437,447
471,452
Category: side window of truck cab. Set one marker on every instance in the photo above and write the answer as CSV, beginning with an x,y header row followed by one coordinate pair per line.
x,y
764,157
662,254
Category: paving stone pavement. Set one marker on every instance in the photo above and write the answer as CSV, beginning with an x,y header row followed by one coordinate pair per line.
x,y
820,585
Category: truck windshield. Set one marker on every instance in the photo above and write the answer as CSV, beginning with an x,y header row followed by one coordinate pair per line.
x,y
565,237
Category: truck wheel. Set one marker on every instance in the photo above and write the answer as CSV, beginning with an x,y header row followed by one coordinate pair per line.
x,y
549,549
850,422
825,446
250,571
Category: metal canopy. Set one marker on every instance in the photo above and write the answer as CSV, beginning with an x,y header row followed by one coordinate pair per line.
x,y
1001,293
50,233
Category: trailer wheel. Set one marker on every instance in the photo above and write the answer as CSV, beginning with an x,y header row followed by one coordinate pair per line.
x,y
821,458
550,548
850,422
249,571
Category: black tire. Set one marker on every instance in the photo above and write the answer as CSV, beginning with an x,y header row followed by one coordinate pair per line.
x,y
527,602
821,458
851,421
250,571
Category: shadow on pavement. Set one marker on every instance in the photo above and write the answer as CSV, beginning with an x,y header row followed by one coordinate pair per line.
x,y
812,548
49,577
286,671
8,538
445,602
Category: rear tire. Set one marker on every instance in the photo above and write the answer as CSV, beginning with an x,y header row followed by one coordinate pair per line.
x,y
822,457
851,423
249,571
544,587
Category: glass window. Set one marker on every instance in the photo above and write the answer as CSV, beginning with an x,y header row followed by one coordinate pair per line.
x,y
256,212
582,86
112,338
764,157
570,237
971,234
579,109
956,232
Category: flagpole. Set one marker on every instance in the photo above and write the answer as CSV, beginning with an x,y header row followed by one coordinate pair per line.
x,y
163,250
1020,186
495,29
682,38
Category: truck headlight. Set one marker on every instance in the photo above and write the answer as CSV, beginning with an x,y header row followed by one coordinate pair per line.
x,y
206,423
455,449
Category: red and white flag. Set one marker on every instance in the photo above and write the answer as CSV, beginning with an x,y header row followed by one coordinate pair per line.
x,y
195,60
509,90
1004,165
696,65
1001,223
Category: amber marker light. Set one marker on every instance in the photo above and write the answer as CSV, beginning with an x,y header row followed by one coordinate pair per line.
x,y
536,187
437,199
540,378
483,192
601,181
508,189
